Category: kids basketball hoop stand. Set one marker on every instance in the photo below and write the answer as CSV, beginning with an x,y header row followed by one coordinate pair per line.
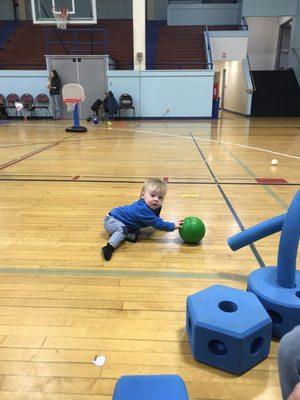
x,y
73,94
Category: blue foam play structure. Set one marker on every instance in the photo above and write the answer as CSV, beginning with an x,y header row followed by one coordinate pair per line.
x,y
277,287
228,328
150,387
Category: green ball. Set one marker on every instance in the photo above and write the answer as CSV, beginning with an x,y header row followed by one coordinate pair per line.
x,y
192,230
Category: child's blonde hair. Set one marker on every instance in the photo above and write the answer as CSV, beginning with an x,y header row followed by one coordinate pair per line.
x,y
155,184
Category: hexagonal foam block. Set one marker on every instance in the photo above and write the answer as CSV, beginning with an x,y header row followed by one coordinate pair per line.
x,y
228,328
150,387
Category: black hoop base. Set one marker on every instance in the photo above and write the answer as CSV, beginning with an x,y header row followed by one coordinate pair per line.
x,y
76,129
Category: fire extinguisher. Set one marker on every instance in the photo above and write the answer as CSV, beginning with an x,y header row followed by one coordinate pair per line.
x,y
216,91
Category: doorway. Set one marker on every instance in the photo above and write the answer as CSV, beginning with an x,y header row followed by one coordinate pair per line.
x,y
282,58
223,87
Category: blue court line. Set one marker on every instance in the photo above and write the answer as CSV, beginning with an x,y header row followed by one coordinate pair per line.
x,y
121,273
252,174
227,201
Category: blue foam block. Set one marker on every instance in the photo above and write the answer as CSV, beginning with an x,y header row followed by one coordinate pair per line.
x,y
256,232
150,387
228,328
282,304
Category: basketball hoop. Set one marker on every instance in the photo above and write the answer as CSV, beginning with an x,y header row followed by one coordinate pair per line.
x,y
71,103
61,17
72,94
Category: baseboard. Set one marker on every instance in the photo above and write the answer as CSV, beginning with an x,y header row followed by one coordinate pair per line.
x,y
235,112
157,118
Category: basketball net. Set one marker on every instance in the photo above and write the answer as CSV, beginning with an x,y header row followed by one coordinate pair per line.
x,y
71,103
61,17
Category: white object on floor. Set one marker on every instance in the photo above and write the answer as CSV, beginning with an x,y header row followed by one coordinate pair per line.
x,y
99,360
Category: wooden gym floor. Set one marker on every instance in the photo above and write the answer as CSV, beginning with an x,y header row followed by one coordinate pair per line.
x,y
61,304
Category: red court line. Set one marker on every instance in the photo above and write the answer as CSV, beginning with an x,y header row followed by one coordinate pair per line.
x,y
120,124
269,181
33,153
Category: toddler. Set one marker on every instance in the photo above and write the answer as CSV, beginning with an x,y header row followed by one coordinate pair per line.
x,y
123,223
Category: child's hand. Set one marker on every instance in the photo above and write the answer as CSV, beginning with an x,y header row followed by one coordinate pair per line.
x,y
179,224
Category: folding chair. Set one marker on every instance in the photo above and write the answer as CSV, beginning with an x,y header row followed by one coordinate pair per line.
x,y
28,103
3,113
126,103
10,102
42,102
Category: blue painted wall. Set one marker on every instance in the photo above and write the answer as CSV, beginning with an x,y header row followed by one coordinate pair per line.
x,y
181,13
21,82
107,9
184,93
269,8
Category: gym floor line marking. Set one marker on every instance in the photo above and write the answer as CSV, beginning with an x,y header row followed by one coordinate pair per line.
x,y
187,137
270,180
201,138
220,141
139,180
22,145
121,272
33,153
77,141
183,124
38,143
252,174
227,201
249,147
67,141
180,125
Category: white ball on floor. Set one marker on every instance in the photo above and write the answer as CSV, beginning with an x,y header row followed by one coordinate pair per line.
x,y
274,162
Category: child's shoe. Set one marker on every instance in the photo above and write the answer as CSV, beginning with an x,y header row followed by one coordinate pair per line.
x,y
131,237
107,251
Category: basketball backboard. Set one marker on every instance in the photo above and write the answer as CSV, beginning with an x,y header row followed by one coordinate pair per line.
x,y
73,91
80,11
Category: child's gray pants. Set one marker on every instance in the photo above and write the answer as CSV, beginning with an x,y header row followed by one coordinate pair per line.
x,y
289,361
116,229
